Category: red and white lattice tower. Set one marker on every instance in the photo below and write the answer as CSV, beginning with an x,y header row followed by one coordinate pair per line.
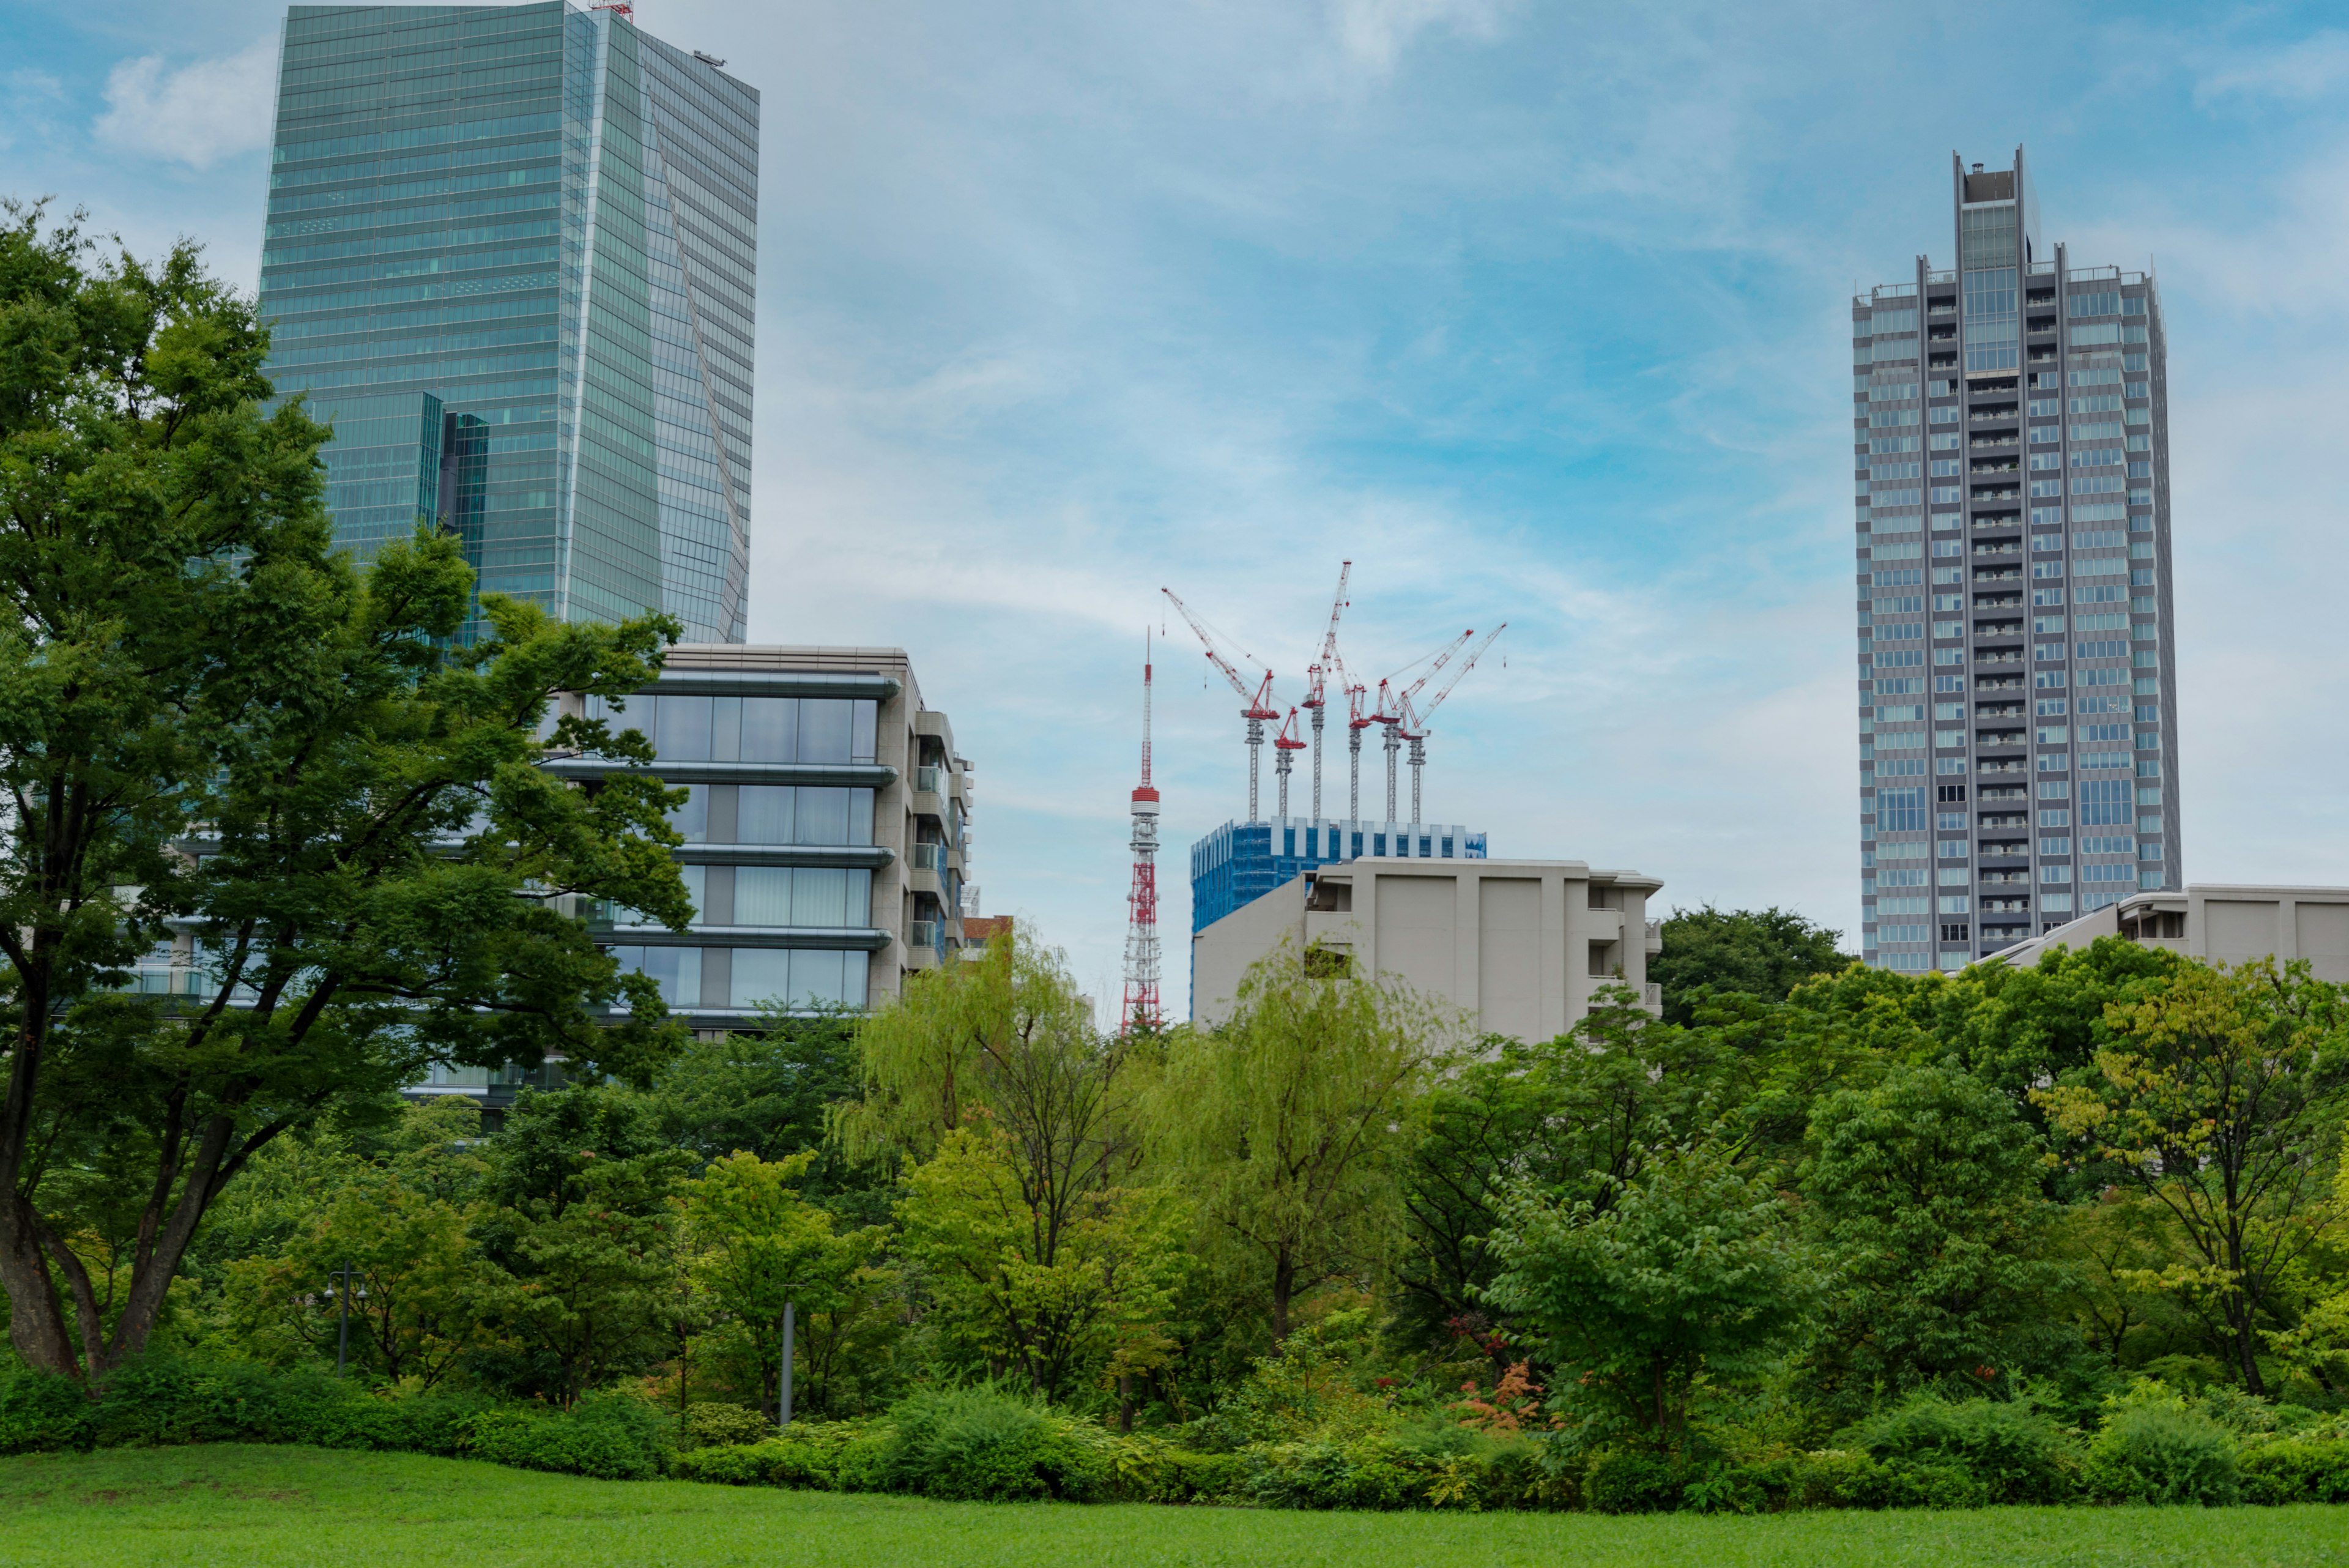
x,y
1139,1010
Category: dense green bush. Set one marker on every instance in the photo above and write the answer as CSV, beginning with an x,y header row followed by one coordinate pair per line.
x,y
1627,1482
2295,1470
713,1423
159,1400
615,1437
978,1444
1937,1453
1367,1473
2162,1452
39,1411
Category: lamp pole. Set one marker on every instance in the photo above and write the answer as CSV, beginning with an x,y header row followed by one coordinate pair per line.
x,y
343,1330
784,1403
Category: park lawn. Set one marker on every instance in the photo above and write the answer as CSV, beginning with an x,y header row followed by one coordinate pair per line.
x,y
262,1507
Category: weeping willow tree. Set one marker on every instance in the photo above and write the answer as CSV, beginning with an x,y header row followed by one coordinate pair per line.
x,y
1291,1126
1039,1249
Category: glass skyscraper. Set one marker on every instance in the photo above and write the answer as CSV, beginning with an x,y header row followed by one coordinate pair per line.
x,y
511,253
2017,677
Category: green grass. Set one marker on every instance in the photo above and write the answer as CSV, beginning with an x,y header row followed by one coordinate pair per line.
x,y
262,1507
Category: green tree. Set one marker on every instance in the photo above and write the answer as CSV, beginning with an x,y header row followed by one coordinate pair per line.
x,y
2219,1098
1022,1221
421,1297
1693,1270
581,1181
1293,1124
1757,952
1924,1194
768,1091
1575,1118
755,1244
1056,1303
184,659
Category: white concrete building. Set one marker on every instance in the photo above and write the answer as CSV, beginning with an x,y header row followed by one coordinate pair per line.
x,y
1519,945
2221,922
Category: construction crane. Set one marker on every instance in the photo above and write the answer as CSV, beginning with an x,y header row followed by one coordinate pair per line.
x,y
1317,675
1395,707
1282,744
1259,702
1356,722
1413,724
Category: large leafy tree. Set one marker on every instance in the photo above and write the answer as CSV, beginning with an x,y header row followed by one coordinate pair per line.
x,y
1573,1118
1924,1193
755,1243
1025,1219
2219,1097
211,725
1692,1269
1754,952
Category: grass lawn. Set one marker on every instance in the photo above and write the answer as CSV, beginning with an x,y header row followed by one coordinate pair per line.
x,y
261,1507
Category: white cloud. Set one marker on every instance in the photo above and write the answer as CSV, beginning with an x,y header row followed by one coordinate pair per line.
x,y
1374,33
196,115
2311,67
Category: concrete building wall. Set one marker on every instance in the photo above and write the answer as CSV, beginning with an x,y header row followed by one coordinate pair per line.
x,y
2221,924
1519,945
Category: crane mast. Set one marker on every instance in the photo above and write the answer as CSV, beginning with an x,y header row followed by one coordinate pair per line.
x,y
1318,673
1413,724
1259,702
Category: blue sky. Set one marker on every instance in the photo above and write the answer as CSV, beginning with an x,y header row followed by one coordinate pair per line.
x,y
1536,312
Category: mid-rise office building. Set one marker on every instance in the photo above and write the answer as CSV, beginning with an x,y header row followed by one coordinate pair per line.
x,y
2017,671
1520,947
511,253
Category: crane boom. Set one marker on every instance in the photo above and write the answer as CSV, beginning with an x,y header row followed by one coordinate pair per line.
x,y
1417,719
1259,700
1326,662
1389,715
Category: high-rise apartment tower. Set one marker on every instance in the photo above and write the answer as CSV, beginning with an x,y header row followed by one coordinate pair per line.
x,y
2017,683
511,253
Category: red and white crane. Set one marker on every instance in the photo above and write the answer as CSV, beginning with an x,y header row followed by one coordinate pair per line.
x,y
1395,707
1282,744
1259,702
1412,723
1139,1010
1316,674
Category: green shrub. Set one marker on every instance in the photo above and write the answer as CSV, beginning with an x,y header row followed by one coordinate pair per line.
x,y
980,1445
1830,1478
2162,1453
1942,1455
2295,1470
1622,1481
1367,1473
612,1436
726,1464
1187,1477
715,1423
41,1411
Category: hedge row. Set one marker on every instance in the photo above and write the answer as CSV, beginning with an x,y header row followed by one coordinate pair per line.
x,y
158,1401
976,1444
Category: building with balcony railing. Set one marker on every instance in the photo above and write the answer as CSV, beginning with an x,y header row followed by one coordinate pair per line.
x,y
2037,406
826,828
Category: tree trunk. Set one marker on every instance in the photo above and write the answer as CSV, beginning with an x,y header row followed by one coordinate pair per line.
x,y
1125,1402
1284,1286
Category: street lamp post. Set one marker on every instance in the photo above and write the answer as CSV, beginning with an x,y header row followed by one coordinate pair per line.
x,y
343,1329
784,1404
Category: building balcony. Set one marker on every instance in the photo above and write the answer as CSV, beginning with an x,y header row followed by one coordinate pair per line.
x,y
2016,766
927,856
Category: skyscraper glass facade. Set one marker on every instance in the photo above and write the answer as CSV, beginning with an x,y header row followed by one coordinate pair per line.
x,y
512,255
2017,677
